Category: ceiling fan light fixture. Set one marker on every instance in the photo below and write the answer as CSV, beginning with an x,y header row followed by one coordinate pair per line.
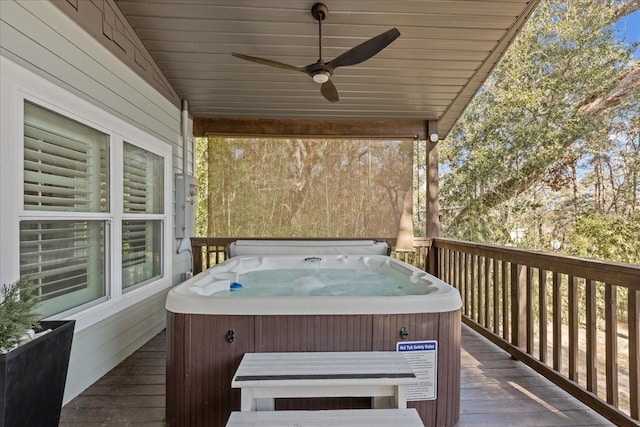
x,y
321,76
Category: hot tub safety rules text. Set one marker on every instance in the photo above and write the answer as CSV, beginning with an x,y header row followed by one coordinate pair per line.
x,y
423,358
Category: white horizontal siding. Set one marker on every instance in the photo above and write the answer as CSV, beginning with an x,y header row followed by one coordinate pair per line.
x,y
46,41
38,36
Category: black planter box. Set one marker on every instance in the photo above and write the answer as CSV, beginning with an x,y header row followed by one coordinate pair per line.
x,y
33,376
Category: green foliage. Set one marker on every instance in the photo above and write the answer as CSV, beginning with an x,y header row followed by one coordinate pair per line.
x,y
202,178
306,187
17,312
613,237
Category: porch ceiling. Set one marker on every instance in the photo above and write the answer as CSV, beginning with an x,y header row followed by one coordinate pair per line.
x,y
445,52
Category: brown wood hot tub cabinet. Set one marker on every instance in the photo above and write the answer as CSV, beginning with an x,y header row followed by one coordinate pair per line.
x,y
201,362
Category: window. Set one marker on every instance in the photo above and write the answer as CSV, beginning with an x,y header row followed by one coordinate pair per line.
x,y
72,223
143,201
66,170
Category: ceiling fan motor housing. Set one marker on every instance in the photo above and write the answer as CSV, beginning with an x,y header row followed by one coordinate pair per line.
x,y
319,11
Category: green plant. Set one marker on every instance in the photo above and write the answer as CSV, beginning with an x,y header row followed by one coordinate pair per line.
x,y
17,312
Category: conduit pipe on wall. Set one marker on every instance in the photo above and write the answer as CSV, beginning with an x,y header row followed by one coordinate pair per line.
x,y
185,136
185,243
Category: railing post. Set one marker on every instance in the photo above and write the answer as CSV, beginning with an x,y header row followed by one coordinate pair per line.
x,y
196,252
432,260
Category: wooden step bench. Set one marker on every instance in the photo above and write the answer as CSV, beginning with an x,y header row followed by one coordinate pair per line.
x,y
382,375
334,418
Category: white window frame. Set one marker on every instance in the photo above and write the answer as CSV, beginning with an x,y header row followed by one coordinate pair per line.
x,y
19,85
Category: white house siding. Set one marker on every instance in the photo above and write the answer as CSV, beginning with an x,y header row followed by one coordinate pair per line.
x,y
38,36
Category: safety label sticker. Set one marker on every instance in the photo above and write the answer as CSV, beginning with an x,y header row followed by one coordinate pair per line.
x,y
423,358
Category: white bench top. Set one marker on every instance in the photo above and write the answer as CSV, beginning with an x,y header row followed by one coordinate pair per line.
x,y
323,368
334,418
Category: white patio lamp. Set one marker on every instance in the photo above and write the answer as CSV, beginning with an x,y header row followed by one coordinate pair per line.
x,y
556,244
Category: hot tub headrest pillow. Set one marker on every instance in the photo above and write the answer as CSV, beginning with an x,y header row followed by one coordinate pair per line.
x,y
305,247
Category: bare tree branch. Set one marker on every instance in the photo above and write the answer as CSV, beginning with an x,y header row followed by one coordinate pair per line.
x,y
627,8
626,85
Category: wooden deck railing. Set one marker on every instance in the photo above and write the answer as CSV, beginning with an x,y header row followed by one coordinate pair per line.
x,y
574,320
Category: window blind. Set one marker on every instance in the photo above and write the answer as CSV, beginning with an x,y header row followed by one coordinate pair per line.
x,y
66,169
62,172
63,258
143,194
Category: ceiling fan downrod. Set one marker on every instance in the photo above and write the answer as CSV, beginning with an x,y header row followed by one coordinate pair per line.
x,y
319,11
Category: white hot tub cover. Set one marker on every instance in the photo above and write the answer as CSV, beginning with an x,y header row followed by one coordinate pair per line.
x,y
304,247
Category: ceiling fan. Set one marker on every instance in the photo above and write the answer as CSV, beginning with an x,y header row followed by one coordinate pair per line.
x,y
321,71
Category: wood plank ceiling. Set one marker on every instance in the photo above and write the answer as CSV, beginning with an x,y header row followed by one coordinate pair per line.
x,y
445,52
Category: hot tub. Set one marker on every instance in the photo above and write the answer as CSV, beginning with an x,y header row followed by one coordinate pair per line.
x,y
307,302
323,284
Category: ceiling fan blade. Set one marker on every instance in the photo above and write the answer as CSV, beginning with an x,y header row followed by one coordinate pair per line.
x,y
329,91
270,62
365,50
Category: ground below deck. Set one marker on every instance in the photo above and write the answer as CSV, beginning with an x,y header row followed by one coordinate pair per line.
x,y
495,391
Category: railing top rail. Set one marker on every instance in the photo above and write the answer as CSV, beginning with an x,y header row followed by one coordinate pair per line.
x,y
613,273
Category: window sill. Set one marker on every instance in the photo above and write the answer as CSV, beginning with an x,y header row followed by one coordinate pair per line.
x,y
102,311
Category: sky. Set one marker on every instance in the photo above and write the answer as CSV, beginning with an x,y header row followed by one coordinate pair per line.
x,y
629,28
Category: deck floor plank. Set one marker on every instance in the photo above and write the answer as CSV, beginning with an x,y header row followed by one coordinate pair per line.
x,y
495,391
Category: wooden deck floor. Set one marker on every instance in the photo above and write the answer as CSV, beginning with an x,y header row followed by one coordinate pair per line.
x,y
495,391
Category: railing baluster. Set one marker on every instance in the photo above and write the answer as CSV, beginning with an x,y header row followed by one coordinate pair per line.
x,y
529,309
592,330
505,302
480,287
487,300
518,304
463,272
573,327
448,264
457,269
633,304
611,343
472,309
496,298
466,284
542,312
448,259
557,323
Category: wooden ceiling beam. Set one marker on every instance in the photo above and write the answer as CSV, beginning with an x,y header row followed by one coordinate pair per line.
x,y
311,128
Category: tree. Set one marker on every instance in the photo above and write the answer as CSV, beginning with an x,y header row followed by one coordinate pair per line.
x,y
307,187
528,146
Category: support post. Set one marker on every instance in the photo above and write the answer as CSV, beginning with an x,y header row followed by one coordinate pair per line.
x,y
433,202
